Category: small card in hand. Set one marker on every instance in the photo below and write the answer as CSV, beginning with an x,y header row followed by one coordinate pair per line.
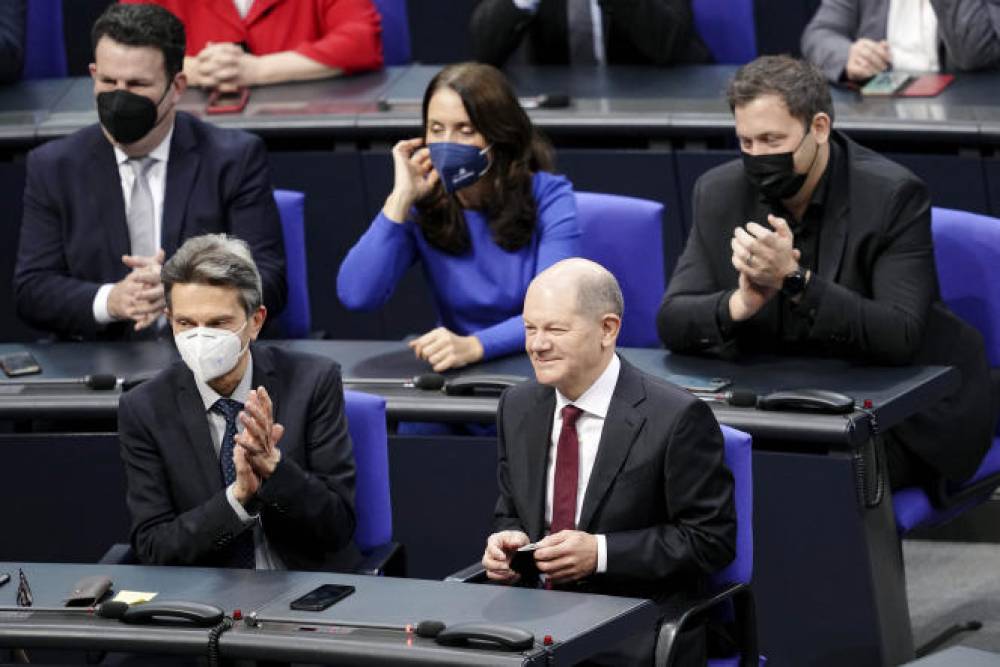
x,y
523,561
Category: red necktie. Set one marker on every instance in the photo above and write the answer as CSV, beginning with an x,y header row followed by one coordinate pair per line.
x,y
567,473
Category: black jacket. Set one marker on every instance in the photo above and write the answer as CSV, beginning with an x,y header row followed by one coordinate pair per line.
x,y
636,32
873,296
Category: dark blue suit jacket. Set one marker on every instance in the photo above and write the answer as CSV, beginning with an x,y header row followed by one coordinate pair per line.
x,y
176,495
74,229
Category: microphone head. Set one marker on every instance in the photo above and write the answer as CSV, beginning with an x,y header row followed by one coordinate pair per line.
x,y
429,629
111,609
743,398
101,381
429,381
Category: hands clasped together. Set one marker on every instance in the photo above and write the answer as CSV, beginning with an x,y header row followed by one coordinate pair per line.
x,y
562,557
139,295
763,257
224,65
256,454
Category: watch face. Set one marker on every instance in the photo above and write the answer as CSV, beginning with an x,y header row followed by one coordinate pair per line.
x,y
794,283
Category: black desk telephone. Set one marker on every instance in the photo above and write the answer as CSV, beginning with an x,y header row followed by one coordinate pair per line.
x,y
196,613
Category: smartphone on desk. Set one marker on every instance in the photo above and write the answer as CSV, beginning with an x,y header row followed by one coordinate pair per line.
x,y
885,84
321,597
17,364
228,102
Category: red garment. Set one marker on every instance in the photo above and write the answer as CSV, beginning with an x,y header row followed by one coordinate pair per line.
x,y
345,34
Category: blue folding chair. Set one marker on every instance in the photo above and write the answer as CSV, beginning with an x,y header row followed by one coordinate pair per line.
x,y
373,505
727,28
45,47
730,598
395,31
625,236
967,255
296,319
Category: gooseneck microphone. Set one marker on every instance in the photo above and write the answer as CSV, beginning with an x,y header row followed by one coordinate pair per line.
x,y
738,398
427,381
97,381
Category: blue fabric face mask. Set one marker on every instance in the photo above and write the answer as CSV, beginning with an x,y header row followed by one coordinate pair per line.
x,y
458,165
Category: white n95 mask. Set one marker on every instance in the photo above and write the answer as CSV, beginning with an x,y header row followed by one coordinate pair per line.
x,y
208,352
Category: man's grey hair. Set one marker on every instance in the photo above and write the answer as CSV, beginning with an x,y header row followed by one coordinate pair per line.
x,y
218,260
598,293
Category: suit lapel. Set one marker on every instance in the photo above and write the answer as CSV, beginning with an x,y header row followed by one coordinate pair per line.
x,y
621,426
108,199
528,453
259,9
264,374
192,411
182,171
833,231
226,11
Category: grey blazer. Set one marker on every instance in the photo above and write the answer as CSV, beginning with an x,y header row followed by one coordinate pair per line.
x,y
968,29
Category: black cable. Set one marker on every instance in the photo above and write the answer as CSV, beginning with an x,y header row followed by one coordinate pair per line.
x,y
213,640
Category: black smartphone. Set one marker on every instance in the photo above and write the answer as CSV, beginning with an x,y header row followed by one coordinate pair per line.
x,y
19,363
523,561
321,597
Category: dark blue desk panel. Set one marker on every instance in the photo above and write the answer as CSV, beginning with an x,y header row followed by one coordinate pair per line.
x,y
579,624
821,552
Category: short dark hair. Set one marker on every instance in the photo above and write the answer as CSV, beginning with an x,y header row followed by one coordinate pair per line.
x,y
798,83
144,25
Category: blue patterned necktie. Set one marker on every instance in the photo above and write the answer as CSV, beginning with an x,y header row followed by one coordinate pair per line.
x,y
243,550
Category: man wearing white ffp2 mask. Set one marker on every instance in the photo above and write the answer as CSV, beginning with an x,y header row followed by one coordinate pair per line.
x,y
239,455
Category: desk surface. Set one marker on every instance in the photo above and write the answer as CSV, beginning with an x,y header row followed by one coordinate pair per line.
x,y
676,101
895,392
579,624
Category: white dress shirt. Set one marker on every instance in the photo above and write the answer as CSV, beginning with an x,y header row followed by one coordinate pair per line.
x,y
595,18
265,558
912,33
589,425
156,176
243,7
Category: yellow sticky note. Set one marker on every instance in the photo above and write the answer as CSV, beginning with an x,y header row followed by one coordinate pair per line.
x,y
134,597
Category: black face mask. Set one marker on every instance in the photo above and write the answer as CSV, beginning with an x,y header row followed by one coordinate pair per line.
x,y
774,175
126,116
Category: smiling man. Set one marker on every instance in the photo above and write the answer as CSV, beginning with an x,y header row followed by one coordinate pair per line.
x,y
813,245
616,475
237,456
104,206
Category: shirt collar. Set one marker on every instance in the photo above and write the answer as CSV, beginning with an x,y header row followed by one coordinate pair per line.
x,y
161,152
209,396
596,400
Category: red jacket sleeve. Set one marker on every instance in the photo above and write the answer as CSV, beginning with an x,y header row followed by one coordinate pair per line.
x,y
352,37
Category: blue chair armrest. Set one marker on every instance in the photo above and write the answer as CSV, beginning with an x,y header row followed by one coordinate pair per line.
x,y
384,560
473,574
119,554
745,617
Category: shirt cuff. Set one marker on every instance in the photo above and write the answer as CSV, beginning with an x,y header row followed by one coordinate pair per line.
x,y
241,511
101,315
602,554
527,5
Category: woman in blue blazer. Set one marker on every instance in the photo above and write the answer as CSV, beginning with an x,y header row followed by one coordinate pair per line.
x,y
474,201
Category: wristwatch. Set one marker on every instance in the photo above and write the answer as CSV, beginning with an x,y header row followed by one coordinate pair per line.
x,y
794,283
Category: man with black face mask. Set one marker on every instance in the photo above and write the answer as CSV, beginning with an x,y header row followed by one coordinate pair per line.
x,y
814,245
105,206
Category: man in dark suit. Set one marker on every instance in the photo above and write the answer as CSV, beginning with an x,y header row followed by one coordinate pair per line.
x,y
616,475
238,455
105,205
814,245
567,32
